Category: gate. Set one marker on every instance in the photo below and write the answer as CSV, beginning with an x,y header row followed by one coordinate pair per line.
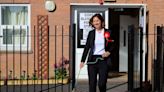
x,y
135,59
158,59
36,60
157,56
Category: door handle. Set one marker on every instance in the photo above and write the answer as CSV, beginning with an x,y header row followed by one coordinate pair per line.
x,y
124,37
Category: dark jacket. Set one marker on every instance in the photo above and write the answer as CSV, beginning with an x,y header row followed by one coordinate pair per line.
x,y
90,45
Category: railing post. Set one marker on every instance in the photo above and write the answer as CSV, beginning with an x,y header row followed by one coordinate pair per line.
x,y
141,56
130,60
73,55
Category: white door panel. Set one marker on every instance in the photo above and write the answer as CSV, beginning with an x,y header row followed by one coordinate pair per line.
x,y
125,21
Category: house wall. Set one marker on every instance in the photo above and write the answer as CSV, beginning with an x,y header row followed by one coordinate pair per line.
x,y
61,16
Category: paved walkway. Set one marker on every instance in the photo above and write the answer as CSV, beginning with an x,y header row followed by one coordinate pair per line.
x,y
118,84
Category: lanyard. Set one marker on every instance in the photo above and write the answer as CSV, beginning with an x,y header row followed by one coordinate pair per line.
x,y
99,58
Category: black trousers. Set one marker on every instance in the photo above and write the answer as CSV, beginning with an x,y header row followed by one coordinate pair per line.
x,y
101,69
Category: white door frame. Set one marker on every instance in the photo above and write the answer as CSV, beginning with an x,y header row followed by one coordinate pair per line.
x,y
142,22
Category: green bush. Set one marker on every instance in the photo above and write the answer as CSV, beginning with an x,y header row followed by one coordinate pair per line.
x,y
60,73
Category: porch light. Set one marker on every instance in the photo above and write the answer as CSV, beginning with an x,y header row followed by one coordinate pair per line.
x,y
50,5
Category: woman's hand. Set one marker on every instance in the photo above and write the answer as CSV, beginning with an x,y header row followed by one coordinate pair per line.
x,y
81,65
106,54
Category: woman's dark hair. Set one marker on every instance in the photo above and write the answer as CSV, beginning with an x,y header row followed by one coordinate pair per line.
x,y
99,17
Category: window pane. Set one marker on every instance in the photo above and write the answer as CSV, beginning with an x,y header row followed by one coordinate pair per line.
x,y
8,37
14,15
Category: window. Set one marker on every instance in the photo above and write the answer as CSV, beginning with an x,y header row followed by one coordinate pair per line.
x,y
15,27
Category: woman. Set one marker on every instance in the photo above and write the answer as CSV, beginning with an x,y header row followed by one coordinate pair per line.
x,y
99,50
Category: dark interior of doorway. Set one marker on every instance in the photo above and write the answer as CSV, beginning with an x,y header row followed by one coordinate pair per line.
x,y
114,25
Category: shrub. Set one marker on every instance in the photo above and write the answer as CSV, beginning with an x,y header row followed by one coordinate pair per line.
x,y
61,68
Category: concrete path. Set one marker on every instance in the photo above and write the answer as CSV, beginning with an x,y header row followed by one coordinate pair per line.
x,y
116,84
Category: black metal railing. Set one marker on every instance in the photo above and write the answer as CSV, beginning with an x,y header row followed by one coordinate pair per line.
x,y
20,59
135,59
35,60
158,59
136,84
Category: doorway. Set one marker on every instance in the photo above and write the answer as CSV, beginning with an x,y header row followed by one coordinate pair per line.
x,y
123,18
119,21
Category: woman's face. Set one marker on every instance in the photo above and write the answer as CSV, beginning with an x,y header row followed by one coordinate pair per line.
x,y
97,23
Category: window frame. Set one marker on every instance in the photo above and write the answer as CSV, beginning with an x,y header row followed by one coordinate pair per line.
x,y
12,47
